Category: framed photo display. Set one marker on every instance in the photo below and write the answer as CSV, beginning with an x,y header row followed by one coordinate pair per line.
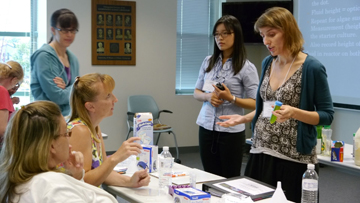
x,y
113,28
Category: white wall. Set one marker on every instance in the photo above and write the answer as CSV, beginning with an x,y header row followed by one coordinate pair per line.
x,y
154,72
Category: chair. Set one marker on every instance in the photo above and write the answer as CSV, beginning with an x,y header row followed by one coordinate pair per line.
x,y
146,103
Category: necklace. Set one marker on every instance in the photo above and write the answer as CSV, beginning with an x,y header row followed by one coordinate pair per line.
x,y
284,77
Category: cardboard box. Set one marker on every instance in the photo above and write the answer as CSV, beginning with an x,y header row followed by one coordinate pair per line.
x,y
143,128
147,158
337,151
191,195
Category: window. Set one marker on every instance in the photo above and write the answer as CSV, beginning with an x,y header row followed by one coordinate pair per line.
x,y
195,20
16,40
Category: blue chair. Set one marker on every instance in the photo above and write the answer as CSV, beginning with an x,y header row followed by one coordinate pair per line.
x,y
146,103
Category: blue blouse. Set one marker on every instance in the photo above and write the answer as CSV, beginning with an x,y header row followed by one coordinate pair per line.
x,y
242,85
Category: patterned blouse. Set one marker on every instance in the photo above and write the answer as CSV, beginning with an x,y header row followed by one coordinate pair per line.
x,y
97,157
279,139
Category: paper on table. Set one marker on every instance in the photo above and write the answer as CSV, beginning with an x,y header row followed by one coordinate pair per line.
x,y
245,185
201,176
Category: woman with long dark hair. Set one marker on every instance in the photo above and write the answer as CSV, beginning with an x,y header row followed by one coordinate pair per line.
x,y
221,149
53,66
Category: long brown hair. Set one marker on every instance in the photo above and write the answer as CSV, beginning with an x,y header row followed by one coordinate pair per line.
x,y
26,146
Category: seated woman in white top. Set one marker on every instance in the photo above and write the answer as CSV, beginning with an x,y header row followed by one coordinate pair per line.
x,y
36,141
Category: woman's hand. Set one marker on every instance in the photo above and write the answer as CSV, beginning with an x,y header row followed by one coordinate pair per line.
x,y
232,120
139,179
128,148
15,100
284,113
223,94
59,82
215,100
75,164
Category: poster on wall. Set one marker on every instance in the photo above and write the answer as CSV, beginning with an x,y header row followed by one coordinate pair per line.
x,y
113,31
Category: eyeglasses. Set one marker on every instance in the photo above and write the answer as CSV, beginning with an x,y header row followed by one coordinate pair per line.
x,y
67,134
223,34
65,31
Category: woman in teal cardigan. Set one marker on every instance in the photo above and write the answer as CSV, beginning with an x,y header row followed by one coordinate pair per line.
x,y
282,150
53,67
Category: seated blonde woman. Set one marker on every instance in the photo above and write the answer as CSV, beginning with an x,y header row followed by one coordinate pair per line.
x,y
11,73
36,141
91,101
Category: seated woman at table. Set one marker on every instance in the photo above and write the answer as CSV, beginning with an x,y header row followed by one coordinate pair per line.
x,y
36,141
91,101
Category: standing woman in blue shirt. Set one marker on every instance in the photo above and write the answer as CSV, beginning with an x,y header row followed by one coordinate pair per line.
x,y
221,149
53,66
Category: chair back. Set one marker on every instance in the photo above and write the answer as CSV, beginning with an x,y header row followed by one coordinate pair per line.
x,y
143,103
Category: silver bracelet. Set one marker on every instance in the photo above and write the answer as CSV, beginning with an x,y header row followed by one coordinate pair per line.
x,y
233,100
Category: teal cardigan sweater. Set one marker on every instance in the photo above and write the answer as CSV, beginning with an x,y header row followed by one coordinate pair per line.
x,y
45,66
314,96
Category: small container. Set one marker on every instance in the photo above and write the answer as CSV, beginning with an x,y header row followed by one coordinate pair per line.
x,y
276,107
326,135
192,175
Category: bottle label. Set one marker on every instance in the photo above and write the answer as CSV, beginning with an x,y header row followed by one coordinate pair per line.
x,y
310,184
166,164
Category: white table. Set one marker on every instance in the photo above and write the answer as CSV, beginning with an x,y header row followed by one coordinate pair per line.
x,y
150,193
347,164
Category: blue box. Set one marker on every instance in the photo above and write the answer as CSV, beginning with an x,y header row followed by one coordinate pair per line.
x,y
337,151
191,195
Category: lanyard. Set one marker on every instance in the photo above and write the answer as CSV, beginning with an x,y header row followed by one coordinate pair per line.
x,y
283,80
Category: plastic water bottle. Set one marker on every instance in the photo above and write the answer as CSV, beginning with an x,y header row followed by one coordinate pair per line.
x,y
319,139
309,192
326,135
353,154
165,168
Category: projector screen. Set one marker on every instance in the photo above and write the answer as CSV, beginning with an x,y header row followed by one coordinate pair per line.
x,y
331,30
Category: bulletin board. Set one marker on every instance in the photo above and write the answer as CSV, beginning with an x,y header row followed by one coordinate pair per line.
x,y
113,32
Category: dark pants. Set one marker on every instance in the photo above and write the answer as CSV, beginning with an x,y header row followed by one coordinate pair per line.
x,y
221,153
269,169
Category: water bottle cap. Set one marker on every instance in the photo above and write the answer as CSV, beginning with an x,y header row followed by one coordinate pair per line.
x,y
278,103
165,148
311,166
327,126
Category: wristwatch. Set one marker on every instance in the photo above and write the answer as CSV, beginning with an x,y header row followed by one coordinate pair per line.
x,y
233,100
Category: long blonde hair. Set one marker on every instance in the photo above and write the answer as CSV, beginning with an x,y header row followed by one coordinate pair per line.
x,y
281,18
26,146
11,69
83,91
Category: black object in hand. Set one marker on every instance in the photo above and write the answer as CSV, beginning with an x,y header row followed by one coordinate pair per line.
x,y
220,86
